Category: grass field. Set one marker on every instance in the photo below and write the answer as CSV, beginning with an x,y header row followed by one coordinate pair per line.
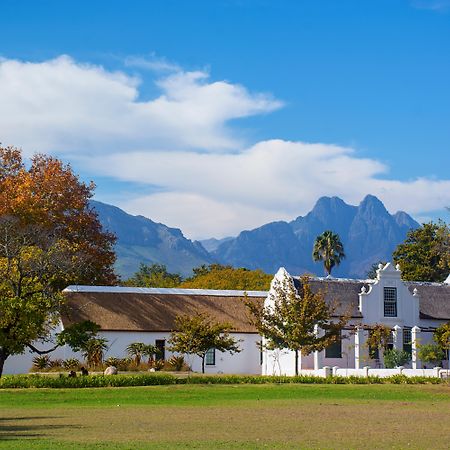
x,y
216,416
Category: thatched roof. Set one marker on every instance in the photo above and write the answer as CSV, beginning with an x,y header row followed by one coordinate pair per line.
x,y
342,294
140,309
434,299
134,309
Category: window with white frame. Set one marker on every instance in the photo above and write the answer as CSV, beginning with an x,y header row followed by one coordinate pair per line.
x,y
407,341
210,357
390,302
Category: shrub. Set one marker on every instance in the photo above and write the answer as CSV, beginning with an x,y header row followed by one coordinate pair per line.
x,y
177,363
56,363
71,364
158,364
113,361
92,381
431,353
41,362
395,358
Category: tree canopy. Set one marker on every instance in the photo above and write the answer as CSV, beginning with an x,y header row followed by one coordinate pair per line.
x,y
217,276
49,238
289,319
329,249
154,275
214,276
195,335
425,254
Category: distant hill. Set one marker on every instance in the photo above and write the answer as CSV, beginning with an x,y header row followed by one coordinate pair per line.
x,y
141,240
369,234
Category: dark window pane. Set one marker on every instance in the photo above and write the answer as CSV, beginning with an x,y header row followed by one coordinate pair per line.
x,y
334,350
390,302
160,344
210,358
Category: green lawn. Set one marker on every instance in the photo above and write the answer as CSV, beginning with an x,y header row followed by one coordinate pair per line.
x,y
219,416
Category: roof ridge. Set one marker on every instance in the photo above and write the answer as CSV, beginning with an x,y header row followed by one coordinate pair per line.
x,y
164,291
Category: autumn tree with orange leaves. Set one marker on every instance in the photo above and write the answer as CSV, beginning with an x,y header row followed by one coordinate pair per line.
x,y
49,238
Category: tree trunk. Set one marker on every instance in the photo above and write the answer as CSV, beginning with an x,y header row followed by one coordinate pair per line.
x,y
203,363
3,356
296,362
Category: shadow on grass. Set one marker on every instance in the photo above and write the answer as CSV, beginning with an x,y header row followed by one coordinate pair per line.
x,y
11,429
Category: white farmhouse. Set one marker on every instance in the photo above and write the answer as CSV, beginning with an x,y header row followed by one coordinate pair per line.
x,y
411,309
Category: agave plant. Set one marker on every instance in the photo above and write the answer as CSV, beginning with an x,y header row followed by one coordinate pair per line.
x,y
55,363
177,362
41,362
113,361
71,364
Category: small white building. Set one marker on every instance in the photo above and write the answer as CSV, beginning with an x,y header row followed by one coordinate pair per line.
x,y
412,310
126,315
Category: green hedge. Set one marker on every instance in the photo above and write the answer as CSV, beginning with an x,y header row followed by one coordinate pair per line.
x,y
91,381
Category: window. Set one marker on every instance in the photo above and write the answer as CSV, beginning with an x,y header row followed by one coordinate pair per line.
x,y
210,357
407,341
334,350
390,302
160,345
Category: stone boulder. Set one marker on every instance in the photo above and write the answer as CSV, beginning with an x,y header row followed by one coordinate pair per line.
x,y
111,370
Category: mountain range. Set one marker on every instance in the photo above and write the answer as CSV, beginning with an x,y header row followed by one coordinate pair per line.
x,y
368,232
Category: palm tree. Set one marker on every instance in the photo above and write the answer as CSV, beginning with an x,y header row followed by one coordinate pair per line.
x,y
150,351
93,351
136,350
329,249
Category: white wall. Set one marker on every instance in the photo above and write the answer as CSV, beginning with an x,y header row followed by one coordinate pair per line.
x,y
245,362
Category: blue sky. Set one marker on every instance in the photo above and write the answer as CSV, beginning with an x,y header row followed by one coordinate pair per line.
x,y
219,116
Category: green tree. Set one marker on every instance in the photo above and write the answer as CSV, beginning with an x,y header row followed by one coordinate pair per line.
x,y
196,334
289,319
154,275
49,238
217,276
378,339
431,353
372,272
425,254
329,249
442,336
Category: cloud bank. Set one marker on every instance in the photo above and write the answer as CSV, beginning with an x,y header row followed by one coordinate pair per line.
x,y
185,146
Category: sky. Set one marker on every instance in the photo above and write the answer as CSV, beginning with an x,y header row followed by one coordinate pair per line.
x,y
219,116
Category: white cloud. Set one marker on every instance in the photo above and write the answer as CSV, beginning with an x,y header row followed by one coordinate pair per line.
x,y
433,5
153,63
208,182
221,194
67,107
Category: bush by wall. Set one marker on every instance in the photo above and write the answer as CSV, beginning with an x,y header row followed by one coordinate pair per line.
x,y
92,381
